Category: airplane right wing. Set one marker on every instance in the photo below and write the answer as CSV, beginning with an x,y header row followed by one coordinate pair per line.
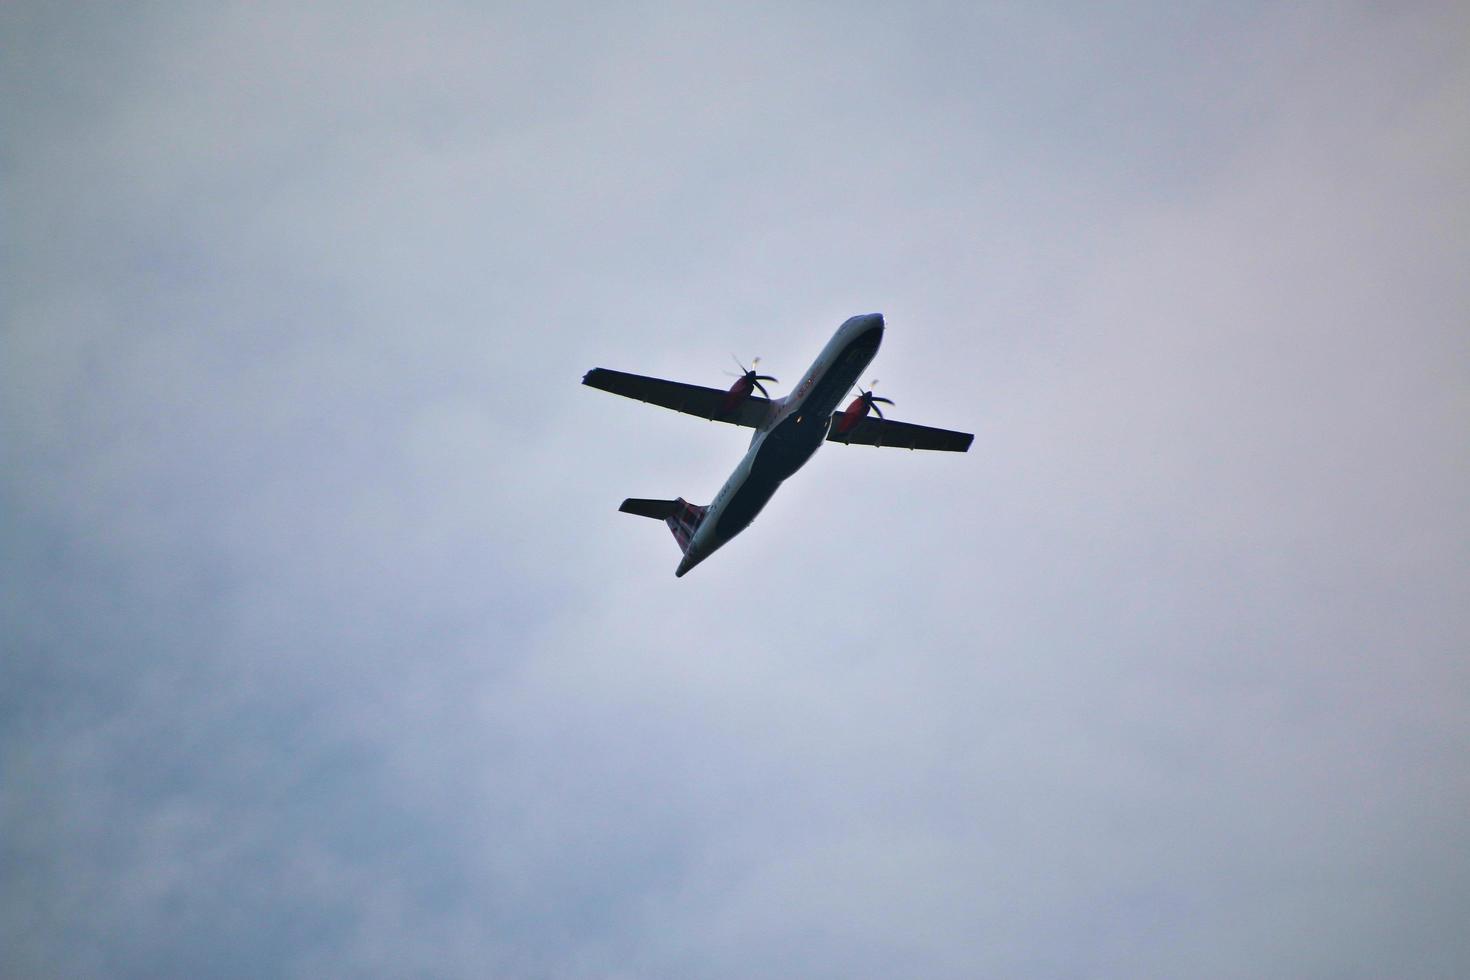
x,y
707,403
873,431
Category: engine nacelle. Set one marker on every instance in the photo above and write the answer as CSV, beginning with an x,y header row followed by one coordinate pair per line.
x,y
738,393
855,412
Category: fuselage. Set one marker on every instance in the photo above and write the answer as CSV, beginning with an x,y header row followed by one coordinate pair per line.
x,y
793,430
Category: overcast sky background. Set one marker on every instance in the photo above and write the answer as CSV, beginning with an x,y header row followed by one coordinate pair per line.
x,y
326,651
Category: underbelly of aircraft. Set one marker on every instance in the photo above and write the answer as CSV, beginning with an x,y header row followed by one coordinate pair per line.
x,y
781,454
788,446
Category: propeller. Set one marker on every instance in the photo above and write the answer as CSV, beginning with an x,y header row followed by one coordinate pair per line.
x,y
749,374
872,399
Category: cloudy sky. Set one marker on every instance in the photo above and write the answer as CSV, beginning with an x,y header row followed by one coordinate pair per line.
x,y
326,652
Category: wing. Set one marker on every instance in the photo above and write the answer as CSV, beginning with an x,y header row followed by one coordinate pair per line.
x,y
689,399
873,431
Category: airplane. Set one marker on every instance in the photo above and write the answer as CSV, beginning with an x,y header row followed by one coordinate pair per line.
x,y
787,432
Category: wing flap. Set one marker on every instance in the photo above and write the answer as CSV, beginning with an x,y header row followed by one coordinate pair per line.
x,y
706,403
873,431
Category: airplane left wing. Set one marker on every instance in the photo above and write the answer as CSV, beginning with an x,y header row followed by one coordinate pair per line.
x,y
873,431
707,403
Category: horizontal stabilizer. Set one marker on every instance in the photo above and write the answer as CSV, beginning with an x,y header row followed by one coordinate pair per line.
x,y
660,510
682,517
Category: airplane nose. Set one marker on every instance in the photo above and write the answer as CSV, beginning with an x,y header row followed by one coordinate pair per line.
x,y
876,320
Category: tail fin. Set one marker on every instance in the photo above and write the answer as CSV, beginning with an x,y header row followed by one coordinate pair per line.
x,y
680,515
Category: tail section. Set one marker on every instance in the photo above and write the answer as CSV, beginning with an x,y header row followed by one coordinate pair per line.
x,y
680,515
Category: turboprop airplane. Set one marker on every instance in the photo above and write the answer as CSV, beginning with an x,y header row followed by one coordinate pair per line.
x,y
787,432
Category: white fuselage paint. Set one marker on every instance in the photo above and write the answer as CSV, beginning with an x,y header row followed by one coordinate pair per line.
x,y
794,429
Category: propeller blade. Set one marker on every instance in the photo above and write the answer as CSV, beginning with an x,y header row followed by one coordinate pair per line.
x,y
767,377
879,411
886,401
763,389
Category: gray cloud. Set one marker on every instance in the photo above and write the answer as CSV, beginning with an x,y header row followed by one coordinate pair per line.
x,y
326,652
